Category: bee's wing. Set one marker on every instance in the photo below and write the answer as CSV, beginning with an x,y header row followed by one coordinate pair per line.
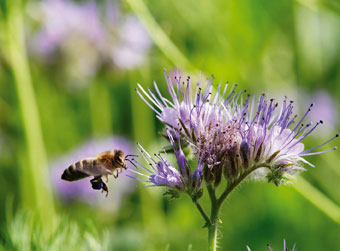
x,y
104,153
94,167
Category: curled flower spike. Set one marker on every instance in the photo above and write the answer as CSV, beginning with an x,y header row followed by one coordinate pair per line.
x,y
162,173
234,134
284,247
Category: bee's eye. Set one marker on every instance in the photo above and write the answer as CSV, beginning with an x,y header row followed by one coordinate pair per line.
x,y
119,160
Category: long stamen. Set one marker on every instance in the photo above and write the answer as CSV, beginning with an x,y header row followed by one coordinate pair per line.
x,y
307,151
159,93
304,116
149,97
316,153
146,102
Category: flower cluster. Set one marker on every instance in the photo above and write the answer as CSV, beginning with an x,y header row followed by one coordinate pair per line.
x,y
230,133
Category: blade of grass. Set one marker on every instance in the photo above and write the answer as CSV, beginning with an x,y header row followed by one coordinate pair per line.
x,y
318,199
159,37
100,108
330,161
36,191
142,115
318,5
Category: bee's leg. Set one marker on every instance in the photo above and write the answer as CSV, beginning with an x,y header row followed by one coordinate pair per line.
x,y
97,183
107,178
105,188
115,175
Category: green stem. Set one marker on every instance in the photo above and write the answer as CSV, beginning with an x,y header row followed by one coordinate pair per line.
x,y
216,204
212,227
204,215
212,236
212,194
230,187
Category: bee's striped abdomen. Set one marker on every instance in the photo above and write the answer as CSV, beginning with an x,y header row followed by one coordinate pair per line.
x,y
75,171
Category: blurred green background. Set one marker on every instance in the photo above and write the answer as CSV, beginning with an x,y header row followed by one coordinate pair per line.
x,y
68,70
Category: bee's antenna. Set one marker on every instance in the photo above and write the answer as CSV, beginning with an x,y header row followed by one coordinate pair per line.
x,y
130,155
131,161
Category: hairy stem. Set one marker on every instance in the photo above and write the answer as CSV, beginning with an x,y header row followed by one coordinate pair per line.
x,y
216,204
212,236
231,185
212,227
212,194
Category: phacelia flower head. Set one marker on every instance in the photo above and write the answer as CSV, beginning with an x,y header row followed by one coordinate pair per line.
x,y
234,134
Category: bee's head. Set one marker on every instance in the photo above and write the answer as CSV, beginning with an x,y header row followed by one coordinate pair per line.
x,y
120,158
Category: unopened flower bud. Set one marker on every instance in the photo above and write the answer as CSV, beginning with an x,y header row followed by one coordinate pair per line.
x,y
217,170
208,175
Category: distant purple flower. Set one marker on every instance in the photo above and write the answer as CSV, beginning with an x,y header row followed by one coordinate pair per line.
x,y
88,38
233,133
325,109
81,189
63,19
132,46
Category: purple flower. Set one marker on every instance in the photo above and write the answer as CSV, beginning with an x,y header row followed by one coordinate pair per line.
x,y
232,133
63,19
162,173
132,45
325,109
69,29
81,189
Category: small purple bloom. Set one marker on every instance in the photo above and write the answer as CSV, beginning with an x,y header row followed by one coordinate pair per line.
x,y
232,132
162,173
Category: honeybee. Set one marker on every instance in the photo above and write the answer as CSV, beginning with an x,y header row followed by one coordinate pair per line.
x,y
105,164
